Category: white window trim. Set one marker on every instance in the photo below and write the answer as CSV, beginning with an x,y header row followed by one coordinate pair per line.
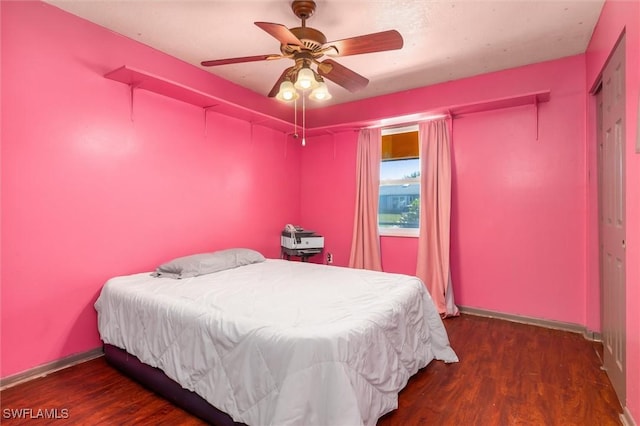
x,y
407,181
399,232
395,130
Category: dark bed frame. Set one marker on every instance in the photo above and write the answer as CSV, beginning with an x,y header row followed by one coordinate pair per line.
x,y
155,380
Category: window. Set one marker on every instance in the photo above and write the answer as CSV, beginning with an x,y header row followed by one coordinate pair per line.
x,y
399,202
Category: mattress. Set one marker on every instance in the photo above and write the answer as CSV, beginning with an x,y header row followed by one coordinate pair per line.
x,y
278,342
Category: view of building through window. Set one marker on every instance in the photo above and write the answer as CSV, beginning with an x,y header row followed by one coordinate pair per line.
x,y
399,202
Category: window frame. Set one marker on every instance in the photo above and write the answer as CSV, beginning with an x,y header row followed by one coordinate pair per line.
x,y
400,232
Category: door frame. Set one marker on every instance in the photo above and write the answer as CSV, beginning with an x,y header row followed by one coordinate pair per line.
x,y
594,121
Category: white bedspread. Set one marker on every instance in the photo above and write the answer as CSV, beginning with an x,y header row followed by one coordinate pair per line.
x,y
280,343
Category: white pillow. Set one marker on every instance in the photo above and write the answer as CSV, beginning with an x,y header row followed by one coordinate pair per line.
x,y
207,263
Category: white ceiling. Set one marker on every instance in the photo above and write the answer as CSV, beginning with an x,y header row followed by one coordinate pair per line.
x,y
443,39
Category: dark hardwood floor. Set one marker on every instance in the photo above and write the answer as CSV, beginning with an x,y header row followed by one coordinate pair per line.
x,y
508,374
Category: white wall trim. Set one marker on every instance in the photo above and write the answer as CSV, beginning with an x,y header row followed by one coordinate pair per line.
x,y
46,369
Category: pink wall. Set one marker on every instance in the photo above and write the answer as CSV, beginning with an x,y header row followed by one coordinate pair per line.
x,y
328,201
88,193
329,175
518,216
518,212
618,17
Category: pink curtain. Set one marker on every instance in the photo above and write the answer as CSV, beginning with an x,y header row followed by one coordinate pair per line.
x,y
365,245
435,215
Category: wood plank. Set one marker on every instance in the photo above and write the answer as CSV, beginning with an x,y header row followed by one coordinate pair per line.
x,y
508,374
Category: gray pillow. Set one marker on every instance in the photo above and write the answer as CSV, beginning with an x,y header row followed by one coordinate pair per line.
x,y
207,263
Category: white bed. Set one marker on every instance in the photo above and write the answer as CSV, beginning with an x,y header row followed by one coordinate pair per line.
x,y
278,342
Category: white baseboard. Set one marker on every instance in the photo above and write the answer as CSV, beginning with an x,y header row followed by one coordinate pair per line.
x,y
556,325
626,418
45,369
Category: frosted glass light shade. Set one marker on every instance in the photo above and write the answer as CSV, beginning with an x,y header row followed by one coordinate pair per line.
x,y
320,93
306,79
287,92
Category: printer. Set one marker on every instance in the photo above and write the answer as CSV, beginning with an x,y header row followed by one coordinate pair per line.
x,y
301,239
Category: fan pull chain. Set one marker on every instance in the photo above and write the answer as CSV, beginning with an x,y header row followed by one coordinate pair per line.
x,y
304,142
295,118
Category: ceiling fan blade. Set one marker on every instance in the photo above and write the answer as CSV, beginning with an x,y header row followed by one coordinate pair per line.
x,y
239,60
280,32
276,87
375,42
341,75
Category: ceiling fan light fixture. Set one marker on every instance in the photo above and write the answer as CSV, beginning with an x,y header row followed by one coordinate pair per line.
x,y
306,79
287,92
320,93
307,46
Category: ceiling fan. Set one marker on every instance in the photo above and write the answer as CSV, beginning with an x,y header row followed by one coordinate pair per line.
x,y
307,46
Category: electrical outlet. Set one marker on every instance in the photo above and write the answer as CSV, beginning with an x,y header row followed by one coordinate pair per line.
x,y
329,258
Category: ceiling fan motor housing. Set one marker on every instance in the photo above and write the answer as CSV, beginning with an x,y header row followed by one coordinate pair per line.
x,y
311,38
303,9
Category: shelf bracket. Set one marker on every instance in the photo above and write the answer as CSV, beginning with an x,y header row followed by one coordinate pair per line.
x,y
206,109
535,108
251,134
132,88
205,123
335,145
